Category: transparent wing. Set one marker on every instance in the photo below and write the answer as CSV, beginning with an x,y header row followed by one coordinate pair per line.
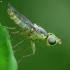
x,y
22,17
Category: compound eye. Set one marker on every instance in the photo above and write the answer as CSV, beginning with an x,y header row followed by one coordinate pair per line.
x,y
52,41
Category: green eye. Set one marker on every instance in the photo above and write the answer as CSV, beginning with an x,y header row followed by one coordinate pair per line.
x,y
51,41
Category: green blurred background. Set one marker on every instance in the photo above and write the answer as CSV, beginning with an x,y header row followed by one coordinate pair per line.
x,y
53,16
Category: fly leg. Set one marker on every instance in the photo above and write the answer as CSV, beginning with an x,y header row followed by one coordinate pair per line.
x,y
16,32
11,28
33,49
18,44
23,49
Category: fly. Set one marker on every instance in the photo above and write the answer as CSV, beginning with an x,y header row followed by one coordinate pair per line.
x,y
31,31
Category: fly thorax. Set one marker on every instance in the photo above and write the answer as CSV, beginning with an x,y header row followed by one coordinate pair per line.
x,y
37,36
40,29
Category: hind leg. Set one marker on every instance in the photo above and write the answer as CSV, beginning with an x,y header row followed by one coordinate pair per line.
x,y
33,49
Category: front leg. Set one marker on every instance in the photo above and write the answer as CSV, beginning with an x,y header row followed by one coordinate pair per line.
x,y
33,49
33,46
11,28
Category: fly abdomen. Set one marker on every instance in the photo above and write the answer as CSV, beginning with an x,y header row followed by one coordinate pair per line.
x,y
25,28
17,20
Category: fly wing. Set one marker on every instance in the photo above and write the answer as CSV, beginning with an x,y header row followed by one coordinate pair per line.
x,y
22,17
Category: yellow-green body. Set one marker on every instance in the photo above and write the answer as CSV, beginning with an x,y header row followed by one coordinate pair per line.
x,y
27,31
31,31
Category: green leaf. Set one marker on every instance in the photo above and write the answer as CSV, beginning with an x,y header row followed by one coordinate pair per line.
x,y
7,59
